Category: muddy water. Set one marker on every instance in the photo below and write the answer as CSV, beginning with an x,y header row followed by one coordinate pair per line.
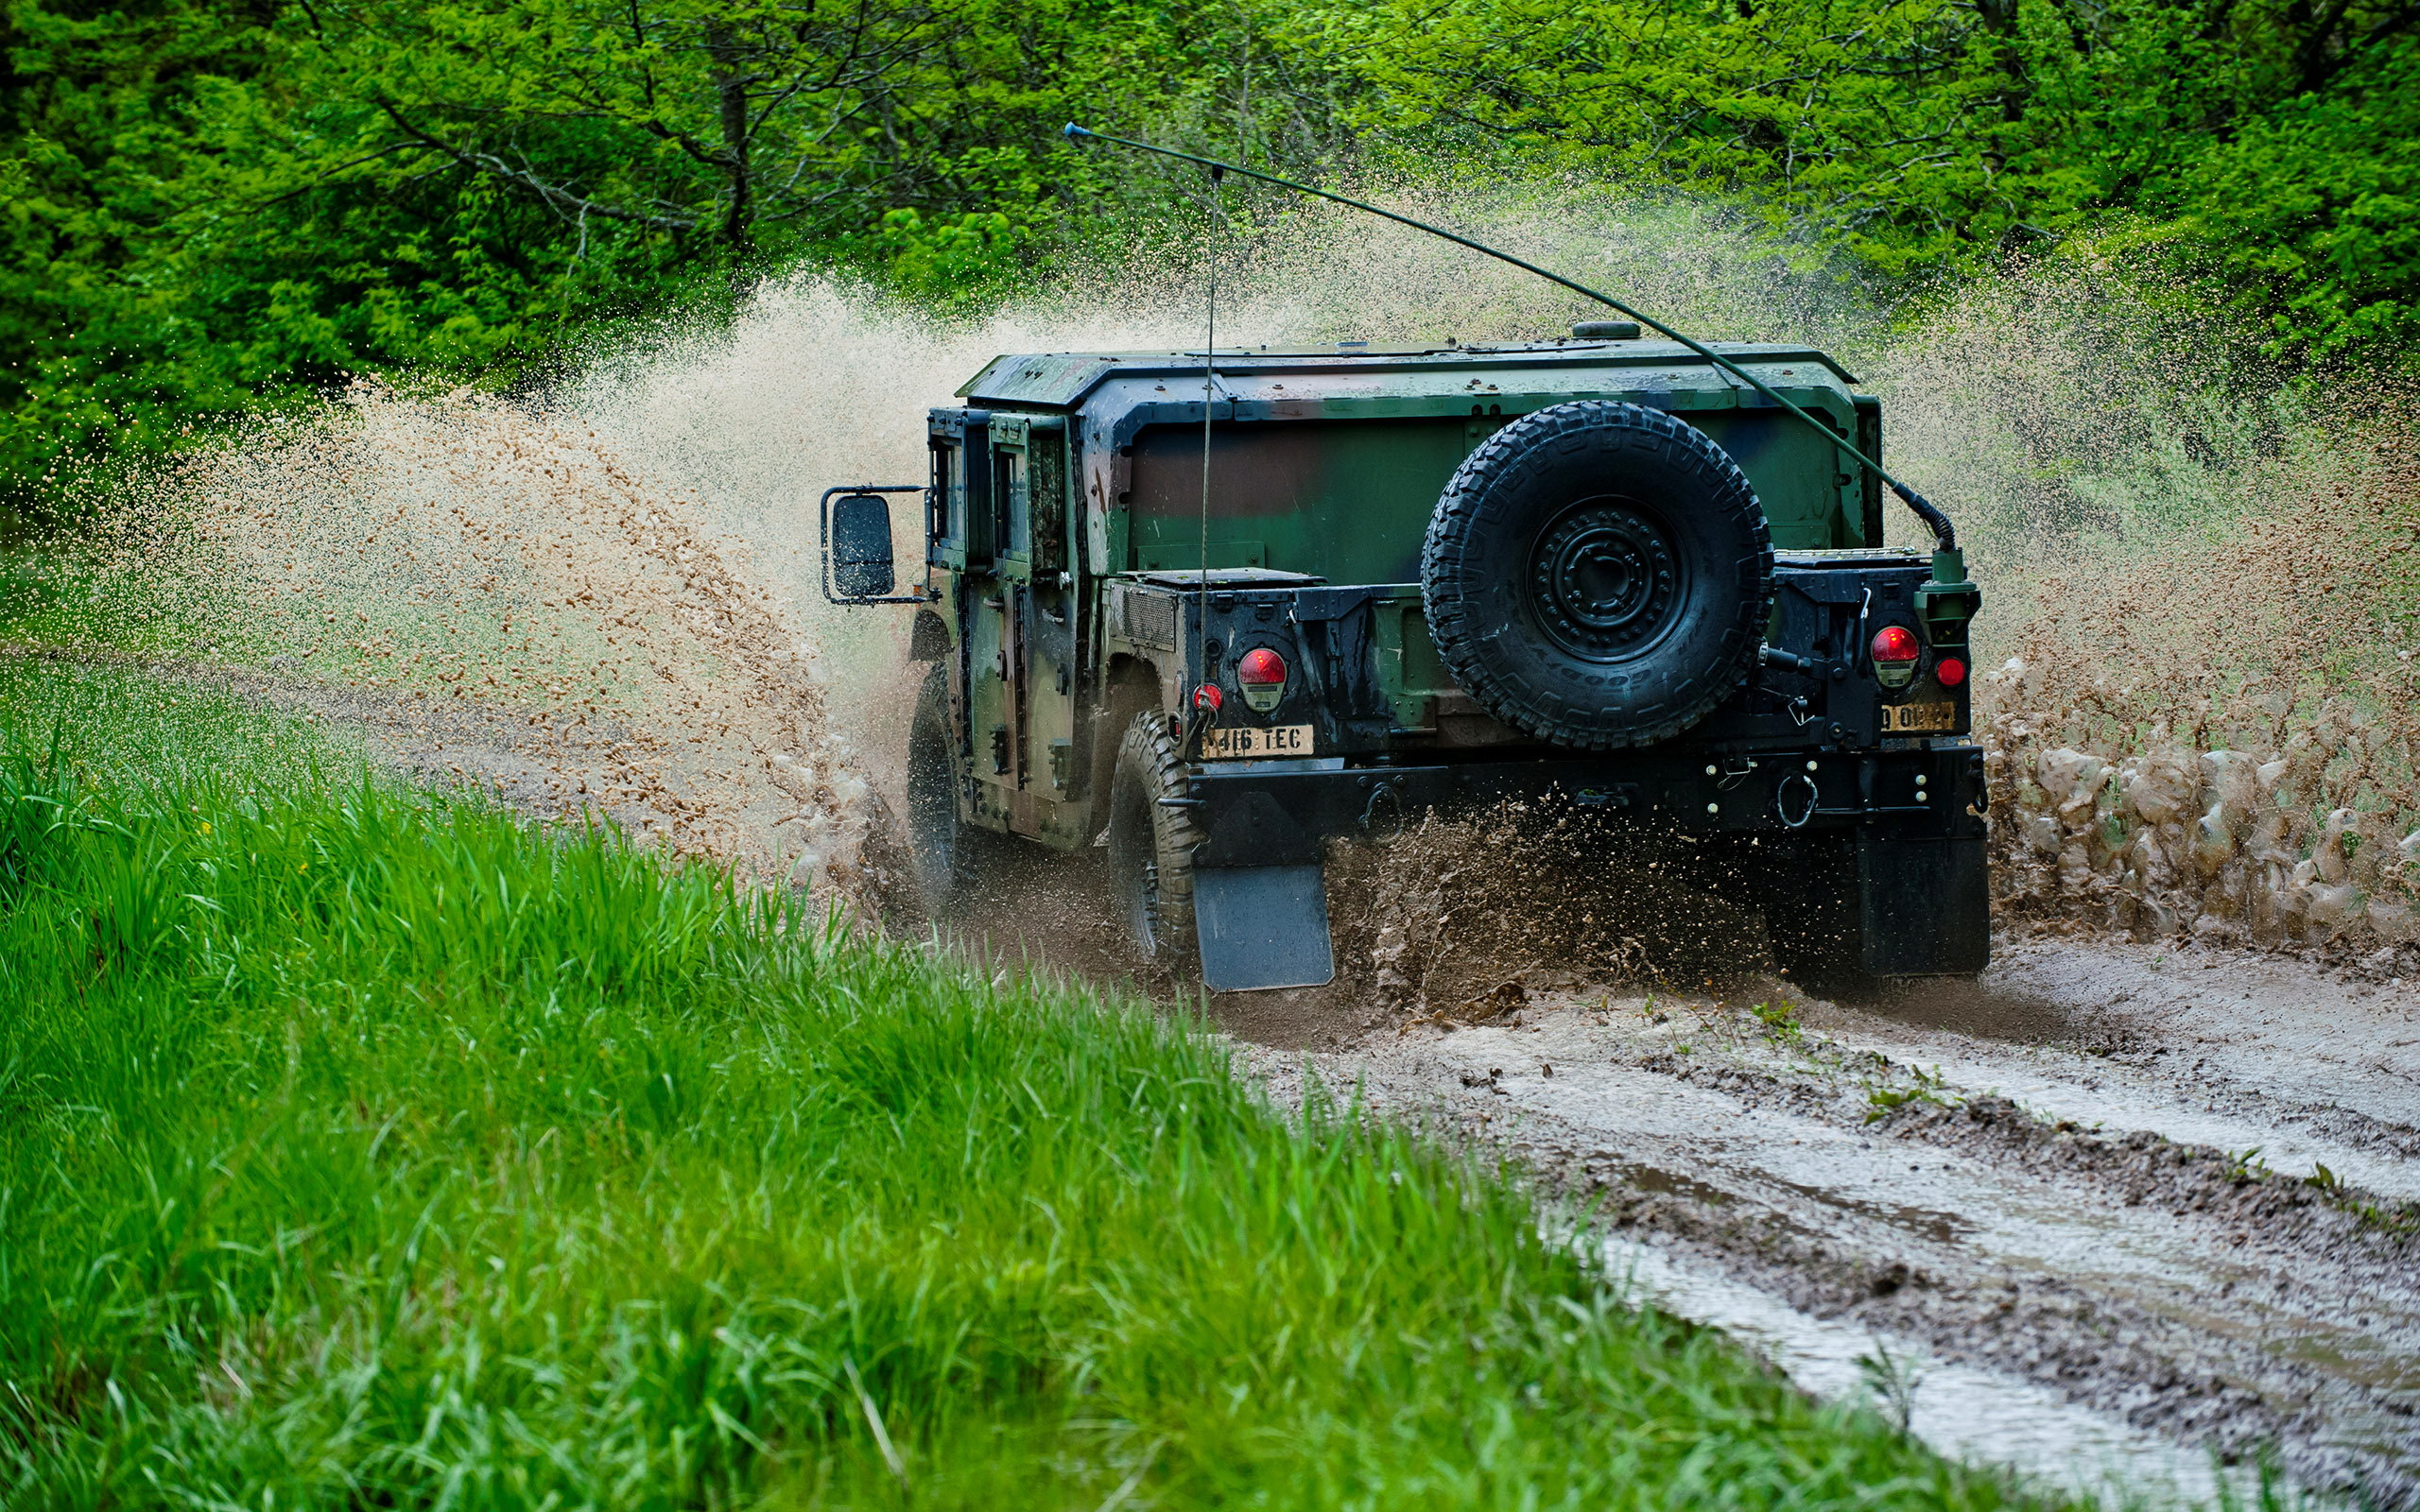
x,y
1983,1417
2039,1207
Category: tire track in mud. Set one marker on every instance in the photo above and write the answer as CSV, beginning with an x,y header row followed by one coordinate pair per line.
x,y
2092,1171
1866,1165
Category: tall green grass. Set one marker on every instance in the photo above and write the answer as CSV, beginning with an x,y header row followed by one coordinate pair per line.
x,y
361,1147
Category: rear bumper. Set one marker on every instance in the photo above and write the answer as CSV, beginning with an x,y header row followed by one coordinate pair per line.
x,y
1266,815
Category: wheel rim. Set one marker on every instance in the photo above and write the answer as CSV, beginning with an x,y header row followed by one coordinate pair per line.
x,y
1604,581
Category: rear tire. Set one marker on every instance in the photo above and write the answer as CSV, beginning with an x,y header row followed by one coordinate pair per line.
x,y
954,859
1150,846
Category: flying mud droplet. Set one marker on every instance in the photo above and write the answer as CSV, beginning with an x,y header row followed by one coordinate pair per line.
x,y
497,595
2197,577
1464,921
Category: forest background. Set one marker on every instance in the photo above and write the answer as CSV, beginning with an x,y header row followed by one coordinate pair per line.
x,y
217,205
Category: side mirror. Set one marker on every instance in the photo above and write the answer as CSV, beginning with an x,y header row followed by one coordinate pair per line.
x,y
856,545
861,547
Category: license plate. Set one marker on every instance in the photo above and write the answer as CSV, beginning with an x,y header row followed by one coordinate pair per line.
x,y
1900,718
1224,744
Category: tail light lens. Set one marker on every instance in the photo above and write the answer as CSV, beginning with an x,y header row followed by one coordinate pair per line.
x,y
1261,675
1895,649
1208,697
1949,671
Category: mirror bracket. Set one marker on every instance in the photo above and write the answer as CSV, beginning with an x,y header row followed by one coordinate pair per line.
x,y
823,541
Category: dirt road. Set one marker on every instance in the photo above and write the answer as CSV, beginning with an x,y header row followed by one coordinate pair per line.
x,y
2114,1202
2175,1187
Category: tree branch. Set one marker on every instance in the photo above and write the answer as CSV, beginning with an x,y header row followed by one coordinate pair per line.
x,y
561,199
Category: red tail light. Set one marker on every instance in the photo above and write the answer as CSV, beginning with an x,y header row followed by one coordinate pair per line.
x,y
1260,668
1949,672
1896,643
1208,697
1261,674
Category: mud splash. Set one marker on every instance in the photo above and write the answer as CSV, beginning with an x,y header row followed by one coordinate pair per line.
x,y
1467,919
461,576
2200,595
2224,740
625,562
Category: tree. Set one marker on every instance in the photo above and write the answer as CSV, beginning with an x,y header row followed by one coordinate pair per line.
x,y
681,117
2277,141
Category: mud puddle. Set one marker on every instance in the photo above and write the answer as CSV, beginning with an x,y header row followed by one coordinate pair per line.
x,y
2107,1179
1983,1417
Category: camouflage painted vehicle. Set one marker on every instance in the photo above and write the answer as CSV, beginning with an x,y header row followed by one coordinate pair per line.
x,y
1595,571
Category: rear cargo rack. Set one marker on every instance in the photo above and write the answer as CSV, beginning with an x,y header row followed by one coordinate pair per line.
x,y
1851,557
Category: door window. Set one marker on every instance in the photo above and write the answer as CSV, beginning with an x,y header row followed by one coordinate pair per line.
x,y
1009,487
947,524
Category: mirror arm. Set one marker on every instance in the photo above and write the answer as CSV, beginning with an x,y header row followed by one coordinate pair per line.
x,y
823,544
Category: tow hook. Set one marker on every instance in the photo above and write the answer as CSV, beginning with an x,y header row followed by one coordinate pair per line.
x,y
1384,810
1781,800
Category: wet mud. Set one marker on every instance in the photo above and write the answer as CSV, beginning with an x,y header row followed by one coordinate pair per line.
x,y
2173,1187
2119,1173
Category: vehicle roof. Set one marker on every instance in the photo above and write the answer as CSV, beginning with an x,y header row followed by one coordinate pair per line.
x,y
1063,380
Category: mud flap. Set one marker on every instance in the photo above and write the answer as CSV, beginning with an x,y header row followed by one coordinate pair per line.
x,y
1261,927
1924,907
1260,900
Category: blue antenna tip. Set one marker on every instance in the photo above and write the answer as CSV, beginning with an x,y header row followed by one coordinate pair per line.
x,y
1071,130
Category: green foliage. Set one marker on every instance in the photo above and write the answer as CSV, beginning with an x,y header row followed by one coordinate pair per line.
x,y
212,204
205,204
1924,1085
368,1148
1781,1023
953,264
2277,143
2312,209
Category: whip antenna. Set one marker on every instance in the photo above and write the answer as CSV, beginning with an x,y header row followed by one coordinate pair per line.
x,y
1209,396
1948,565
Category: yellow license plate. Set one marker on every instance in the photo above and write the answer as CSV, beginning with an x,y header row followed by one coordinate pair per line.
x,y
1220,744
1902,718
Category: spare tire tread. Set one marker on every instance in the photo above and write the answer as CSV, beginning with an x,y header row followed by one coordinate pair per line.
x,y
1521,456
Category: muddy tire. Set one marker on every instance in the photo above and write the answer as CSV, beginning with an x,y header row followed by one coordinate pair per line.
x,y
1598,574
1150,846
954,860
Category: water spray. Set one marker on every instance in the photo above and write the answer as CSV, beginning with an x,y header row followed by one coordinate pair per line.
x,y
1951,596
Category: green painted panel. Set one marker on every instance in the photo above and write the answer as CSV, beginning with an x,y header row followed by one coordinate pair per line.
x,y
1349,499
1796,474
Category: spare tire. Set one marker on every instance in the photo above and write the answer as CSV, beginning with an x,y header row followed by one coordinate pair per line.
x,y
1598,574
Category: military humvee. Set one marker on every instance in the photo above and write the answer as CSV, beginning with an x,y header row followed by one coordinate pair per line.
x,y
1212,611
